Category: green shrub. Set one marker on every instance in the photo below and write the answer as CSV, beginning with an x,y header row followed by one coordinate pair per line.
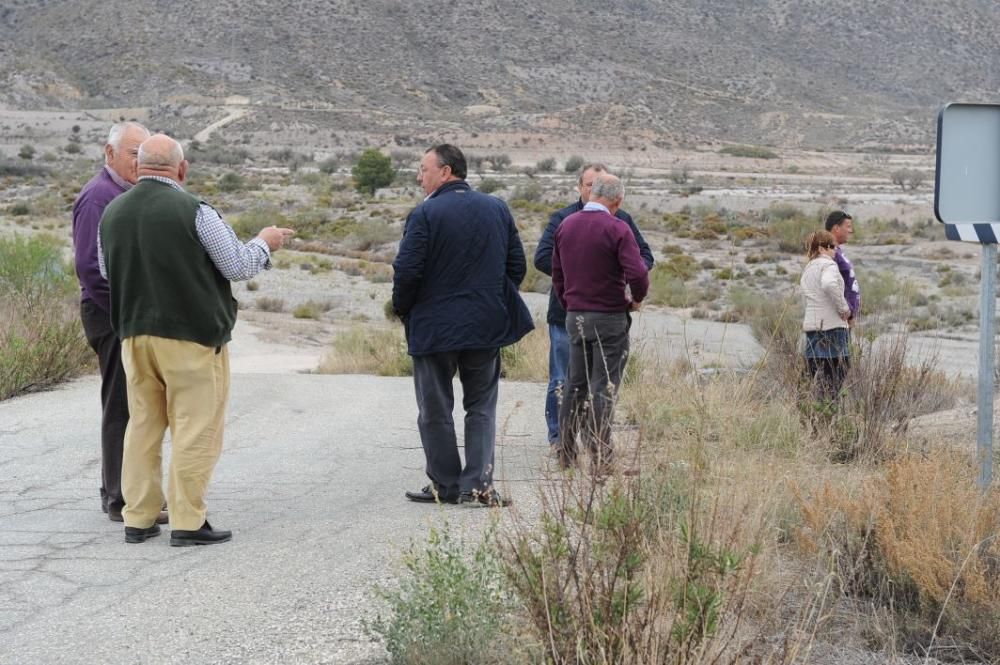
x,y
530,192
546,165
16,168
268,304
41,339
450,606
249,223
666,288
574,164
232,182
884,292
680,265
20,209
490,185
216,153
329,165
372,170
27,152
749,151
499,162
626,573
310,309
792,232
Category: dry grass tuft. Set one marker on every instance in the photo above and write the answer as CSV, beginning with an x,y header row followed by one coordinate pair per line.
x,y
368,351
528,360
919,539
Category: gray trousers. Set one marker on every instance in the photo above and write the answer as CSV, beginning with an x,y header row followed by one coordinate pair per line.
x,y
598,350
479,372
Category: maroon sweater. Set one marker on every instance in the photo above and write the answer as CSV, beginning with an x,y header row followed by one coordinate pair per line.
x,y
594,257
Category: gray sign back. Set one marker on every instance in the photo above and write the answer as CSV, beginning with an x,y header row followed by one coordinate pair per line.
x,y
967,181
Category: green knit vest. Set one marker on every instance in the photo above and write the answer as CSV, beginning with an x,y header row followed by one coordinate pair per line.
x,y
162,281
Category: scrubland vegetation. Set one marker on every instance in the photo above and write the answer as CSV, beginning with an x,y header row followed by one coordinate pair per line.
x,y
764,526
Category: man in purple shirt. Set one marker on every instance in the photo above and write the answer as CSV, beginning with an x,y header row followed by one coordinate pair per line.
x,y
595,257
116,176
841,225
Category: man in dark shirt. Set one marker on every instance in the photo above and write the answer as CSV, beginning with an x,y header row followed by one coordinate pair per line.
x,y
454,285
841,225
595,258
116,176
556,318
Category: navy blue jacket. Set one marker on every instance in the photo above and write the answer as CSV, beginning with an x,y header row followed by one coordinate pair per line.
x,y
457,272
543,253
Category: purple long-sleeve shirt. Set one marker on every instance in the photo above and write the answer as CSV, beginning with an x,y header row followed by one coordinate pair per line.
x,y
593,258
87,211
852,292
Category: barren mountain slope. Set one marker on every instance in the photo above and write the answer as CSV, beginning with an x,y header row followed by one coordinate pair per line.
x,y
789,72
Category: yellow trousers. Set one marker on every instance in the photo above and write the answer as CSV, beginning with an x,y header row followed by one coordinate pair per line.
x,y
184,386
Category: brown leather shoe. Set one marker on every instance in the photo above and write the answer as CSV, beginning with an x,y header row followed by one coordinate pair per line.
x,y
163,517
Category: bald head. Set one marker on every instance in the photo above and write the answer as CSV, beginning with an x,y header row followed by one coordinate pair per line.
x,y
163,156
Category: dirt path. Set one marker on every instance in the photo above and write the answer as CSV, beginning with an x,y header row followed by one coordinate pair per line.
x,y
233,116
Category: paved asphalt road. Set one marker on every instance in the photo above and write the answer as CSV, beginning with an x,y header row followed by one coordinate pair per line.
x,y
311,482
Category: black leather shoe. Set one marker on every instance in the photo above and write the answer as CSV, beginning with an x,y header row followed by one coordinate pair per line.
x,y
429,495
489,499
206,535
135,534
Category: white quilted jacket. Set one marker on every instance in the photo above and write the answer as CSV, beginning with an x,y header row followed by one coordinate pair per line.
x,y
823,288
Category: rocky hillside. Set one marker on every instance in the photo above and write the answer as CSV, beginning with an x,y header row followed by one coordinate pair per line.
x,y
783,72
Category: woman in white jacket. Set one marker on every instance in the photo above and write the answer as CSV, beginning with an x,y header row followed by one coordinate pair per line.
x,y
827,311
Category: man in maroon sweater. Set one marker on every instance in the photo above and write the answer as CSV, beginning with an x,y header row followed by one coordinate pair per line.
x,y
594,258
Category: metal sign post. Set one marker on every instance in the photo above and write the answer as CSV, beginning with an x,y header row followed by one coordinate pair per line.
x,y
986,390
967,200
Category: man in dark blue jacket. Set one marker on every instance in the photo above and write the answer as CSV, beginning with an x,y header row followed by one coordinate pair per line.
x,y
455,288
558,337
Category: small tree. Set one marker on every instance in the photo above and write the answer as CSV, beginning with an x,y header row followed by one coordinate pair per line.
x,y
546,165
27,151
373,170
907,178
573,164
232,182
329,165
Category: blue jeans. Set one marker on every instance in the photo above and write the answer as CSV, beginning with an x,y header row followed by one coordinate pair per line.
x,y
558,362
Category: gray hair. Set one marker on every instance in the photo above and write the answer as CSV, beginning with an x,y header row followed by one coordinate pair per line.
x,y
608,187
118,131
161,158
596,166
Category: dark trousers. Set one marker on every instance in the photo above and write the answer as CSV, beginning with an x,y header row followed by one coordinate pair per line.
x,y
114,400
598,350
479,372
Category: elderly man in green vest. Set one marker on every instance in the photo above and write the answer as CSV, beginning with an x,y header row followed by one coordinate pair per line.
x,y
169,259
